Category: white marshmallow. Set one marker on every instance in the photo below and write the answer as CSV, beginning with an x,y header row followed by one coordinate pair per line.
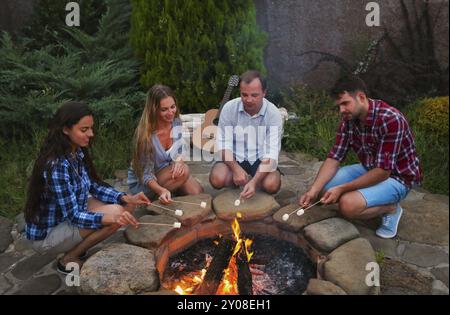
x,y
177,225
237,202
300,212
179,212
203,204
285,217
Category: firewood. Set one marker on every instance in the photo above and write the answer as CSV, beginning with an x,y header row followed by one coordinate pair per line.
x,y
244,281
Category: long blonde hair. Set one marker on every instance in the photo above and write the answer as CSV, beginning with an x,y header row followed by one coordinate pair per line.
x,y
142,140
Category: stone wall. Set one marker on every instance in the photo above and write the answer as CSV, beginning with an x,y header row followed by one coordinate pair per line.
x,y
14,14
336,27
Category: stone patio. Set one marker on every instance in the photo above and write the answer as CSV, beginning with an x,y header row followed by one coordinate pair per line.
x,y
415,262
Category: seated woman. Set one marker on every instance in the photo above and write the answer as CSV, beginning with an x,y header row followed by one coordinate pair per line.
x,y
157,166
60,216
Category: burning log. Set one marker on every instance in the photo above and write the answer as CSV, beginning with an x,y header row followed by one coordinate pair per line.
x,y
215,272
244,281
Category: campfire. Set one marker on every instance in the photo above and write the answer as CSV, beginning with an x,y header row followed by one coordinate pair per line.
x,y
227,272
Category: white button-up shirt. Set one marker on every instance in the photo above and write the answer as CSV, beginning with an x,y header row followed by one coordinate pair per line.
x,y
250,137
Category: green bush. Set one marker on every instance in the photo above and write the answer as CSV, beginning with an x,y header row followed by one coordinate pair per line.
x,y
98,69
194,46
429,120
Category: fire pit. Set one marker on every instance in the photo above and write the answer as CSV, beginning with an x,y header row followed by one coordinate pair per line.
x,y
218,251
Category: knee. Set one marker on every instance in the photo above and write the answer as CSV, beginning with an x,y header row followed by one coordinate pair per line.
x,y
216,180
272,186
347,207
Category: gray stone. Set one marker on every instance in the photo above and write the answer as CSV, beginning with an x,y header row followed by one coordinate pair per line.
x,y
44,285
424,255
120,269
5,285
397,291
414,195
439,288
328,234
199,168
258,207
425,222
150,236
285,197
192,214
5,233
20,221
387,246
346,266
7,260
22,245
437,198
291,170
441,273
121,174
296,223
397,274
321,287
26,268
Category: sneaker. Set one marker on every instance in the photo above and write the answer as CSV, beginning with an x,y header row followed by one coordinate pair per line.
x,y
388,228
62,269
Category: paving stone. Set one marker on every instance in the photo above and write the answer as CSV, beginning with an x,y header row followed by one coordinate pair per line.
x,y
321,287
425,222
414,195
291,170
44,285
285,197
296,223
397,274
387,246
150,236
258,207
5,233
5,285
9,259
328,234
439,288
441,273
424,256
437,198
26,268
193,213
346,266
20,221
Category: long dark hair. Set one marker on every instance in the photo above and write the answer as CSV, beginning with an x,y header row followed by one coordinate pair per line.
x,y
56,145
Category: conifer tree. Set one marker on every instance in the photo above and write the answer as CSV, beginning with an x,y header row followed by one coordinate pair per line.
x,y
194,46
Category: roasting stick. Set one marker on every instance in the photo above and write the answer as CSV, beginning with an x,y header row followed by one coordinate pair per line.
x,y
299,211
201,204
176,225
178,212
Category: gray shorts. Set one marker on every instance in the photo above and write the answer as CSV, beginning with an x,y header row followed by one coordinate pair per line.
x,y
60,239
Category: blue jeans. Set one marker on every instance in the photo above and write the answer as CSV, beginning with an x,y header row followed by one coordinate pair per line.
x,y
387,192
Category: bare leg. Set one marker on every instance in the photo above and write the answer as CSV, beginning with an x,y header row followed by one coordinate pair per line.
x,y
172,184
271,183
221,176
353,206
93,237
190,187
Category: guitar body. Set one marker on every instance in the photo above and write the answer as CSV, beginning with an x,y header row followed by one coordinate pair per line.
x,y
204,137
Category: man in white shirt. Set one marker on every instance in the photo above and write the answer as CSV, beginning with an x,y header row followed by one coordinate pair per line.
x,y
248,140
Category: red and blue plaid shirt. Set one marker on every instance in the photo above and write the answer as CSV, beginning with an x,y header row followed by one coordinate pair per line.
x,y
66,196
384,141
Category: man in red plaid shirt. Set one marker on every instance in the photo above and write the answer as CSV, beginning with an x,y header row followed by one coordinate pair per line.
x,y
389,168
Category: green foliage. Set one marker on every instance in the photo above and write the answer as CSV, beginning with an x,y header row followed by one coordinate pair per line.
x,y
194,46
380,257
49,20
98,69
429,121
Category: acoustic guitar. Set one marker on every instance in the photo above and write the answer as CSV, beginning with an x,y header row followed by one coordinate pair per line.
x,y
204,137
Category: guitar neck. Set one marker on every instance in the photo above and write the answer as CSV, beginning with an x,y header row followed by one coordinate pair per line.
x,y
225,99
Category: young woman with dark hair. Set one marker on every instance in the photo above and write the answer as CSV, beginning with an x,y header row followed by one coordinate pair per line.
x,y
60,215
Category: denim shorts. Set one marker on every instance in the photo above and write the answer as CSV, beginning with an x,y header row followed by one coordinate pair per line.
x,y
387,192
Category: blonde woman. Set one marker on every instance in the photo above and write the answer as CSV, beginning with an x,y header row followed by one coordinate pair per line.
x,y
157,167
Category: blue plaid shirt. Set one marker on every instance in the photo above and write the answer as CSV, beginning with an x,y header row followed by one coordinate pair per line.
x,y
65,198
